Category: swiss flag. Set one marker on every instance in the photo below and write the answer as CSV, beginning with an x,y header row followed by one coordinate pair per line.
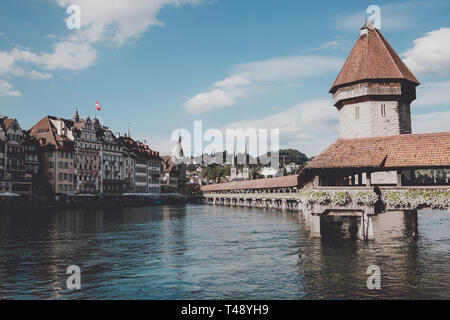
x,y
97,106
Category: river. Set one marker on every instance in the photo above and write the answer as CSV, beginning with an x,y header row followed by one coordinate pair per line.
x,y
207,252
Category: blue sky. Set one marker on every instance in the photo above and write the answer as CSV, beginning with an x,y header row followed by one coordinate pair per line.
x,y
161,64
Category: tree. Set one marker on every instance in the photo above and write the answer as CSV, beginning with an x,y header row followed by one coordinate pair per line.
x,y
292,155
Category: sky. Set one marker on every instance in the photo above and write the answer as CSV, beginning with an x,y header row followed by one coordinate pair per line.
x,y
159,65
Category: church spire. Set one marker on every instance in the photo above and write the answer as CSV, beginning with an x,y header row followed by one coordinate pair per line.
x,y
246,157
76,116
179,148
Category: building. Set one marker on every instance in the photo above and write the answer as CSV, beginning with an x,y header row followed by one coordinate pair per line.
x,y
88,148
173,176
129,159
56,155
32,152
173,171
114,171
270,172
147,166
240,174
13,177
89,158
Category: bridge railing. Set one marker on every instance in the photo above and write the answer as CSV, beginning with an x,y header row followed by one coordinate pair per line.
x,y
286,196
357,197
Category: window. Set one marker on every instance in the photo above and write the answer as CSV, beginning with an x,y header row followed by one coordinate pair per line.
x,y
357,112
383,111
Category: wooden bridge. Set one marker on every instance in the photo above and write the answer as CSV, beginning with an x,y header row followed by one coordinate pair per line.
x,y
354,178
319,204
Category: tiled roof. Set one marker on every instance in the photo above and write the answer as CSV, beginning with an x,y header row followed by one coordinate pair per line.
x,y
79,124
167,164
406,150
6,122
279,182
140,149
46,132
372,58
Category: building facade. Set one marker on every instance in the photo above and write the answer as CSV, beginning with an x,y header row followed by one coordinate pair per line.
x,y
237,174
83,156
18,158
56,155
147,166
88,161
113,175
32,161
173,172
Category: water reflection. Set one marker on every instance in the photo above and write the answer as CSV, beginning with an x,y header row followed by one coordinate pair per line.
x,y
204,252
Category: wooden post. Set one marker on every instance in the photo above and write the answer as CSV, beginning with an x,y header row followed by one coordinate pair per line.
x,y
315,226
368,178
399,178
365,228
316,181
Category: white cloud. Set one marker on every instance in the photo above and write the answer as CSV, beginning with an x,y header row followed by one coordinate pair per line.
x,y
66,55
431,122
233,81
208,101
108,22
162,144
36,75
433,94
431,53
248,76
286,69
331,45
119,21
6,89
9,67
308,126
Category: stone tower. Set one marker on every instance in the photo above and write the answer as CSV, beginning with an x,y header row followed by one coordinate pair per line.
x,y
374,89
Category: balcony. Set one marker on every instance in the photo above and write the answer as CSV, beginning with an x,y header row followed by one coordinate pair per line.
x,y
16,155
16,168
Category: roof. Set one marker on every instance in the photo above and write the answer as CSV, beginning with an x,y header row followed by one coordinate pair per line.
x,y
372,58
405,150
280,182
46,132
140,149
6,122
167,165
